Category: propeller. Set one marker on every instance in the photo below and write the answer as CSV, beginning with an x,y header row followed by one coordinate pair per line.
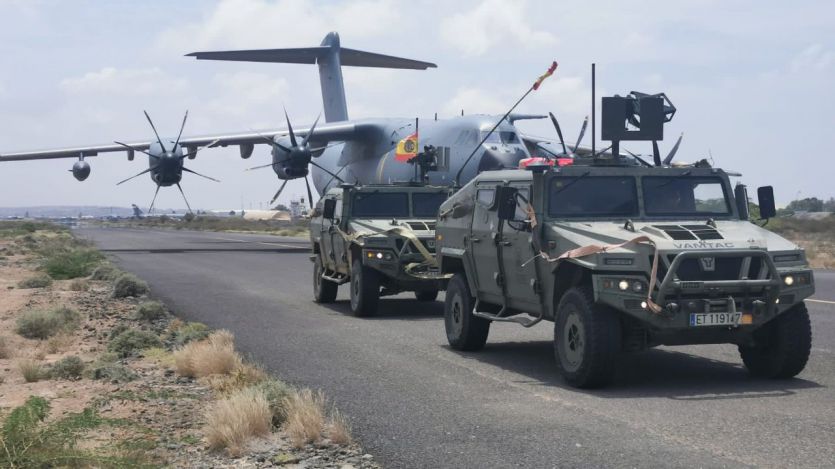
x,y
565,149
669,158
278,193
582,133
559,132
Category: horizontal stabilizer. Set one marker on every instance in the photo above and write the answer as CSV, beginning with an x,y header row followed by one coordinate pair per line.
x,y
310,55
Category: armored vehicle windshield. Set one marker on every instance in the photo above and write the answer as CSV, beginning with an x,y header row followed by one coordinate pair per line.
x,y
379,204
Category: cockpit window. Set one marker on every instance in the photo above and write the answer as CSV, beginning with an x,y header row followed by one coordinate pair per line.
x,y
426,205
500,137
684,195
381,205
582,196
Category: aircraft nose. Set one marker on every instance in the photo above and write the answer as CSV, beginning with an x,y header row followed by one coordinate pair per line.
x,y
494,159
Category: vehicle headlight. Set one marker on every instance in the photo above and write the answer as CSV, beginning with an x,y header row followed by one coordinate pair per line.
x,y
623,285
379,255
789,280
797,279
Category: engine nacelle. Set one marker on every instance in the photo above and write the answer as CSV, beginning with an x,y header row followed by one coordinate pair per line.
x,y
80,170
292,164
246,150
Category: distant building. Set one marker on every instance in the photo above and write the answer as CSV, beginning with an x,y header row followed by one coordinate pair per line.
x,y
298,209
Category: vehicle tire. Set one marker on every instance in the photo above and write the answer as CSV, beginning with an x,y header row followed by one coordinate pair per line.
x,y
426,295
781,347
365,290
324,291
587,339
463,330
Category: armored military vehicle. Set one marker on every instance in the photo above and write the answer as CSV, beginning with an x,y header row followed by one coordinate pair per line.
x,y
622,256
380,238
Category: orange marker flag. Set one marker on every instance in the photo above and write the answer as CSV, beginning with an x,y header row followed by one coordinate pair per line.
x,y
545,75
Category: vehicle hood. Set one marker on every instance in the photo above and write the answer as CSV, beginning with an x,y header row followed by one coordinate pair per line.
x,y
735,234
422,227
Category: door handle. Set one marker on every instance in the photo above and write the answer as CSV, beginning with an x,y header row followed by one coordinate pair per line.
x,y
506,243
475,240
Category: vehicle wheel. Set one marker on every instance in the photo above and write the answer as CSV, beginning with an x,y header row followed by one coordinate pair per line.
x,y
365,290
324,291
586,339
426,295
463,330
781,346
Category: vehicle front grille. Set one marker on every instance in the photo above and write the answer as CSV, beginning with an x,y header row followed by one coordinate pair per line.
x,y
724,268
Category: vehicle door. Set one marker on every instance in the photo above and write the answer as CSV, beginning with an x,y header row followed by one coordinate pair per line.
x,y
518,250
480,243
336,251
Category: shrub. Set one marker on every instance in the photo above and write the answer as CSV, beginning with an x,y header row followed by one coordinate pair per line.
x,y
36,281
79,285
110,371
105,272
5,348
232,421
190,332
59,342
213,355
131,341
150,311
31,370
242,376
129,285
39,324
67,368
277,392
338,429
62,264
305,417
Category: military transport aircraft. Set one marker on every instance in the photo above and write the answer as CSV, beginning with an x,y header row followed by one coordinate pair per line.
x,y
374,150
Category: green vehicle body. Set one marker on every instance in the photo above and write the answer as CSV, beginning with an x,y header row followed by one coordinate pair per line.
x,y
378,240
711,262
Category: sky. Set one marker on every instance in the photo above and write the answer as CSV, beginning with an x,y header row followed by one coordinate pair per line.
x,y
752,81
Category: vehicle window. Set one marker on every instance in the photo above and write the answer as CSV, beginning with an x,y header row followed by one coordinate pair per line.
x,y
500,137
684,195
337,210
486,196
425,205
381,205
583,196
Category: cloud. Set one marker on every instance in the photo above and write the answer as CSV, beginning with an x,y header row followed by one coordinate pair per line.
x,y
492,23
259,23
125,82
813,58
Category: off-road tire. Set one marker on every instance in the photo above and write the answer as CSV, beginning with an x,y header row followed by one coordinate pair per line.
x,y
781,347
587,339
463,330
324,291
365,290
426,295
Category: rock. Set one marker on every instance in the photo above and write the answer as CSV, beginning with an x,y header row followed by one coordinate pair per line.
x,y
285,458
367,456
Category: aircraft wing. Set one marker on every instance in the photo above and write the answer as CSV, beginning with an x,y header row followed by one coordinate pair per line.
x,y
324,133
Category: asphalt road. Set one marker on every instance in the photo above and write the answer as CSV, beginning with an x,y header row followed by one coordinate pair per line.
x,y
414,402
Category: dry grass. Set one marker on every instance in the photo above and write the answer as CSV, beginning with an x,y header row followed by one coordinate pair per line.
x,y
338,429
31,370
79,284
305,417
233,421
59,343
244,375
214,355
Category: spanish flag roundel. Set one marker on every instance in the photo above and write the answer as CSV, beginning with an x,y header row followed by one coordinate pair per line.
x,y
407,148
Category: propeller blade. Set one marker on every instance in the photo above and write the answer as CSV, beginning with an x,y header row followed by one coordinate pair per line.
x,y
259,167
325,170
159,140
137,175
656,154
582,133
314,150
151,208
312,128
290,129
309,192
271,141
673,151
278,193
196,150
334,176
184,197
602,151
131,148
183,126
201,175
638,158
559,132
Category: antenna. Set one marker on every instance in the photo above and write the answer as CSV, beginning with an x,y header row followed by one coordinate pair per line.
x,y
593,118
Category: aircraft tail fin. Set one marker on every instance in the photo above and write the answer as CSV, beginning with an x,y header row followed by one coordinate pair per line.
x,y
330,57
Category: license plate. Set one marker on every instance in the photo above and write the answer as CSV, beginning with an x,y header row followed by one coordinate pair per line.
x,y
714,319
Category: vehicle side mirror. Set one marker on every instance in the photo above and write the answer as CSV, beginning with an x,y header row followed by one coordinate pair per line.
x,y
765,197
506,202
329,209
741,198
